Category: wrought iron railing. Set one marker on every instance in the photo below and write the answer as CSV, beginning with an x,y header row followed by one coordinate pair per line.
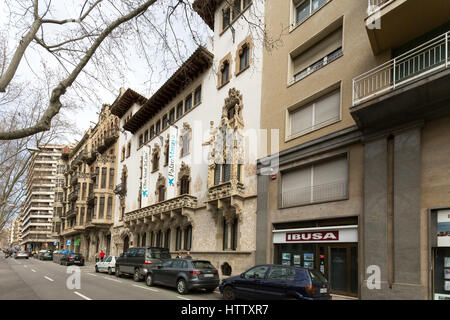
x,y
417,63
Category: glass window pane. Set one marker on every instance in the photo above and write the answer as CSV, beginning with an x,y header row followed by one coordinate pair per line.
x,y
302,11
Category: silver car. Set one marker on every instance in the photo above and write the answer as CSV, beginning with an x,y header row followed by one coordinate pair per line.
x,y
107,265
21,255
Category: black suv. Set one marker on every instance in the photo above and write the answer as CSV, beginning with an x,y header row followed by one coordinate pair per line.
x,y
137,261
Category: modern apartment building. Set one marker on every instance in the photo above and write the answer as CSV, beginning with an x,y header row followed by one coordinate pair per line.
x,y
89,199
188,182
37,217
359,189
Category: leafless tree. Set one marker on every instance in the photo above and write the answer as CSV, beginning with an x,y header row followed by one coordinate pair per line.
x,y
92,47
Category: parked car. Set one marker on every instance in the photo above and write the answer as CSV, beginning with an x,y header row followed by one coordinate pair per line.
x,y
108,265
48,255
137,261
58,255
71,258
20,255
276,282
184,275
41,253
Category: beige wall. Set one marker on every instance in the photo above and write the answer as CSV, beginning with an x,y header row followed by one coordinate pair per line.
x,y
435,179
357,58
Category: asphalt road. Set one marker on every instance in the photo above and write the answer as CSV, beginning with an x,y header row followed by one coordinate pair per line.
x,y
32,279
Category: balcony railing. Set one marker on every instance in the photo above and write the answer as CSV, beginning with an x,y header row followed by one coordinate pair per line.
x,y
374,5
421,61
326,192
73,196
74,179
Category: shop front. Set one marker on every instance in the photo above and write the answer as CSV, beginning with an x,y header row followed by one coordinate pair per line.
x,y
331,250
441,257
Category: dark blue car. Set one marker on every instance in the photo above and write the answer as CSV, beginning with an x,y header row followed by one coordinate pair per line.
x,y
275,282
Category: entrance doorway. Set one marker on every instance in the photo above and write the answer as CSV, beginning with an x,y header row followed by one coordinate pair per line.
x,y
339,264
108,244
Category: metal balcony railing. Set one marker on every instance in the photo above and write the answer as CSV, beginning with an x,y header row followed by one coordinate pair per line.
x,y
375,5
417,63
320,193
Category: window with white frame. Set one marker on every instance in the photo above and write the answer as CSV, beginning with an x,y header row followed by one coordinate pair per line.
x,y
305,8
319,113
185,141
319,182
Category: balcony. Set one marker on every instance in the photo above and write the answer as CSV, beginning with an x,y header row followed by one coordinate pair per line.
x,y
90,157
411,87
111,136
180,206
91,198
392,23
74,179
73,196
70,213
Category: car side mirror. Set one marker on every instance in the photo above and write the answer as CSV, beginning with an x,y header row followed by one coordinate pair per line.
x,y
122,254
242,276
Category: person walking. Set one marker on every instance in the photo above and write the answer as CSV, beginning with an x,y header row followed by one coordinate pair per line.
x,y
179,255
102,255
188,255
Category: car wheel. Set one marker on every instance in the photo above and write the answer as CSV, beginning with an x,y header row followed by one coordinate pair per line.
x,y
118,272
228,293
149,280
110,271
136,276
181,287
96,269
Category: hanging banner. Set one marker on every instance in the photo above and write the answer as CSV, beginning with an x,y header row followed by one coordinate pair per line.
x,y
171,184
145,177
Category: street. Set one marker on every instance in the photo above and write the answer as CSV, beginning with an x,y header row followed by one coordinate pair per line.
x,y
32,279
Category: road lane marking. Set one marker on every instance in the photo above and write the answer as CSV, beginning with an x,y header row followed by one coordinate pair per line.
x,y
112,279
48,279
83,296
33,270
91,274
154,290
25,266
180,297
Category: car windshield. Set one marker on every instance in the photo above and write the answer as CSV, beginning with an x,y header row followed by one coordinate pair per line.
x,y
202,265
159,253
317,276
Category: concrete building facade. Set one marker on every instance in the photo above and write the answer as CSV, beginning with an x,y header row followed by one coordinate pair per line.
x,y
361,116
37,218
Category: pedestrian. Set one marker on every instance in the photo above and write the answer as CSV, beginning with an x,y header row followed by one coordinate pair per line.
x,y
179,255
188,255
97,256
102,255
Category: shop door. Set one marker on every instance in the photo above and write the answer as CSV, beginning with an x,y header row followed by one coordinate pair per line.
x,y
340,267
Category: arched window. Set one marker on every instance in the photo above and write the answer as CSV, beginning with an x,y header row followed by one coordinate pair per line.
x,y
184,187
161,193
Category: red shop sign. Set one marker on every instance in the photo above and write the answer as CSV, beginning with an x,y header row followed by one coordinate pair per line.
x,y
313,236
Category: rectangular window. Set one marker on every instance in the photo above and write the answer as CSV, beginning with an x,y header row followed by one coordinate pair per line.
x,y
186,142
225,72
101,208
188,103
97,176
234,234
198,95
109,208
244,58
179,110
152,132
321,112
226,173
305,8
317,56
172,116
83,193
95,208
158,127
167,239
188,238
178,239
225,235
236,8
319,182
111,178
164,121
146,136
141,140
128,149
217,174
104,172
226,17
